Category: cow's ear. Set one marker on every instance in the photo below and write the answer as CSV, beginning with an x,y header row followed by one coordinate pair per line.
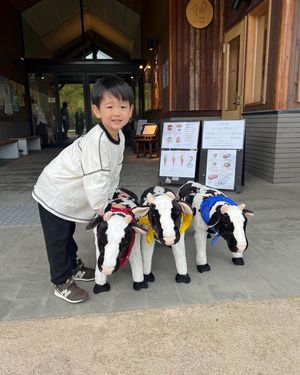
x,y
248,213
170,194
150,198
93,223
186,208
139,229
215,218
107,215
140,211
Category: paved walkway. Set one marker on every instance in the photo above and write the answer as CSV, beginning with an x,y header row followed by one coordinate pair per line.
x,y
272,259
231,320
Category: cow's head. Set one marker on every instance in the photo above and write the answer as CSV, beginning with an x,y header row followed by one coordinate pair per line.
x,y
114,238
164,212
230,222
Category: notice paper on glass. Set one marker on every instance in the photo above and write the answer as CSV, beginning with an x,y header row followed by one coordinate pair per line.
x,y
180,135
223,134
178,163
220,169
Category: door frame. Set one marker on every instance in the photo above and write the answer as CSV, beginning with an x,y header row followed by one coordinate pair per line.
x,y
238,30
86,68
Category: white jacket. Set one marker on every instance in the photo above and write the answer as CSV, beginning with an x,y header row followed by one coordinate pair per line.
x,y
83,177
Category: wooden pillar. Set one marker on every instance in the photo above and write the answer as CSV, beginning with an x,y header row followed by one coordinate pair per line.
x,y
285,34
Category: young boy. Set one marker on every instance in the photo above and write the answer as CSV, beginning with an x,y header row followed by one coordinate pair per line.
x,y
79,183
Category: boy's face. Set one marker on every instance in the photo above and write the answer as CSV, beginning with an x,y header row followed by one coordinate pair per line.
x,y
114,113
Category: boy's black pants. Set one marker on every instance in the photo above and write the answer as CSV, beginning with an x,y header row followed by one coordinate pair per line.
x,y
60,245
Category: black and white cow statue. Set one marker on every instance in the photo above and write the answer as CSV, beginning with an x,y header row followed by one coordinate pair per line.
x,y
117,239
216,213
165,218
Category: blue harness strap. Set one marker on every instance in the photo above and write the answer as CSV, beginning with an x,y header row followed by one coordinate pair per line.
x,y
206,206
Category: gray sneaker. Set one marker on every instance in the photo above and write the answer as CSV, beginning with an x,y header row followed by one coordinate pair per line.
x,y
83,273
70,292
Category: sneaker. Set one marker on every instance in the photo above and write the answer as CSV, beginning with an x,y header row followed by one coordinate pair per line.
x,y
82,273
70,292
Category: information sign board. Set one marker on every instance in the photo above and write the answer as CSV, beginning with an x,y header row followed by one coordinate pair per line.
x,y
178,156
222,154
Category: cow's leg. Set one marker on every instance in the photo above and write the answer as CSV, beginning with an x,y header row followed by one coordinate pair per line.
x,y
180,261
100,279
200,241
147,253
237,259
136,264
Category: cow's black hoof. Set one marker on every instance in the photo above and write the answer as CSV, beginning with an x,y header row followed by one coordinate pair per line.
x,y
101,288
238,261
183,278
150,277
203,268
140,285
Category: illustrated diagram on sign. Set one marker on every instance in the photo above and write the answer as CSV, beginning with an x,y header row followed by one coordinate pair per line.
x,y
180,135
220,169
176,163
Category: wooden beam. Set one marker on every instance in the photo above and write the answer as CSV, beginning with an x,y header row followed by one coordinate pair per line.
x,y
285,34
135,5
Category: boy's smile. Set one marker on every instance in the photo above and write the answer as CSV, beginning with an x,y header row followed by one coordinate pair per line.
x,y
114,113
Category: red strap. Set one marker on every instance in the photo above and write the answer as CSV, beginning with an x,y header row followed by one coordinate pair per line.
x,y
124,258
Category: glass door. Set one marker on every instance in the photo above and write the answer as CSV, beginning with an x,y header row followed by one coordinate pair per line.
x,y
72,108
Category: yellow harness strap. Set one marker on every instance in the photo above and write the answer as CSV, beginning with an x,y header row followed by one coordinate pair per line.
x,y
186,220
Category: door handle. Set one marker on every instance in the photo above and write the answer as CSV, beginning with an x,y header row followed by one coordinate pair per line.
x,y
238,100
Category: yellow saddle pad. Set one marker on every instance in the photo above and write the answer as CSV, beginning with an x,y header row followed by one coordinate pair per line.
x,y
186,220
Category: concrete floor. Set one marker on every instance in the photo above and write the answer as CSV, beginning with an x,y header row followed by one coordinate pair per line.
x,y
271,262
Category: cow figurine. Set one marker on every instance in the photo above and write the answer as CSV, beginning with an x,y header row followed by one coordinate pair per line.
x,y
215,213
166,218
117,239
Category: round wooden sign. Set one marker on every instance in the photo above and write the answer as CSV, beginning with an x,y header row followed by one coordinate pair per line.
x,y
199,13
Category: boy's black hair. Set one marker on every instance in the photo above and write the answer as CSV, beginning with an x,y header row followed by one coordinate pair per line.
x,y
113,85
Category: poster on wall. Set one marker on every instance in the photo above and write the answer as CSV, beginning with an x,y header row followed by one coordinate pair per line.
x,y
178,156
14,96
6,96
220,169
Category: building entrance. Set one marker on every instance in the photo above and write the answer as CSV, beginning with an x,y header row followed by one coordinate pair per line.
x,y
60,94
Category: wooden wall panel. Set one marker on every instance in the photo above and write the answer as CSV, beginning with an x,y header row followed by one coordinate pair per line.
x,y
155,24
196,60
11,43
293,100
273,146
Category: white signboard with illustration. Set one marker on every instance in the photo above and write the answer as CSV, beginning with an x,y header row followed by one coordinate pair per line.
x,y
220,169
178,163
180,135
179,146
223,134
222,154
